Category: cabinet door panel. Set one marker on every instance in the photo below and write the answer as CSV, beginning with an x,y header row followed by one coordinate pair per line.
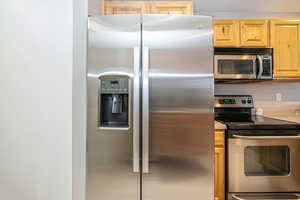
x,y
172,7
126,7
219,138
226,33
286,43
254,33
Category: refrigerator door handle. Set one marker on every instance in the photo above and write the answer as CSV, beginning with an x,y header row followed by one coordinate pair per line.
x,y
136,111
145,111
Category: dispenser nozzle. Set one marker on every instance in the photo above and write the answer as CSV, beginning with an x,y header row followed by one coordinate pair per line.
x,y
117,104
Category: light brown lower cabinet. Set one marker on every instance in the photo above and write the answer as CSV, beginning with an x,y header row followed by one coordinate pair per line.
x,y
219,165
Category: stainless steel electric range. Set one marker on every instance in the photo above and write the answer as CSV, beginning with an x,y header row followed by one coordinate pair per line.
x,y
263,154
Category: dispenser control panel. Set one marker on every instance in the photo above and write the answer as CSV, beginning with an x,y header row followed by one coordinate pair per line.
x,y
114,86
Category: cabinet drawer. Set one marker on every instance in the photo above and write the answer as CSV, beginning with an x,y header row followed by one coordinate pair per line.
x,y
219,138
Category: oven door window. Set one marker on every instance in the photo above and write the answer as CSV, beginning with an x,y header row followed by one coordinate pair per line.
x,y
267,161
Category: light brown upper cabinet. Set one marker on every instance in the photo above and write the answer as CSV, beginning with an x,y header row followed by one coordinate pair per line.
x,y
124,7
285,39
254,33
226,33
241,33
148,7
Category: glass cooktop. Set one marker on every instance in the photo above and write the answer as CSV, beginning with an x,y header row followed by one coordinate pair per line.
x,y
257,122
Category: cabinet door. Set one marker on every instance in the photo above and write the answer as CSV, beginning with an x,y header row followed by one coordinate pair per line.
x,y
219,173
219,165
172,7
226,33
254,33
285,38
125,7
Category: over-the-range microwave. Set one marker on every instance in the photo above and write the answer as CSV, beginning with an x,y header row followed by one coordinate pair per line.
x,y
243,63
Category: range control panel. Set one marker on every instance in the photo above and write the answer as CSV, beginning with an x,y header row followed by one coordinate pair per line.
x,y
237,101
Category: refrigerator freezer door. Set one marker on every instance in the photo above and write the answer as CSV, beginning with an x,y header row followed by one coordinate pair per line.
x,y
113,153
179,53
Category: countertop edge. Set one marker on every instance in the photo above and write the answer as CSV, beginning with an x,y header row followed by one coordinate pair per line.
x,y
220,126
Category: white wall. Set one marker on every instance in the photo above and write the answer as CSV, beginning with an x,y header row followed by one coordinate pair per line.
x,y
248,8
79,98
267,6
263,91
264,97
95,7
36,46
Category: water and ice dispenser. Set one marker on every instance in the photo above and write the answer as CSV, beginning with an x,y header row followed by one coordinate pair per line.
x,y
114,102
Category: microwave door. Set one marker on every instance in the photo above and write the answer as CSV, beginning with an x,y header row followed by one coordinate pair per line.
x,y
235,67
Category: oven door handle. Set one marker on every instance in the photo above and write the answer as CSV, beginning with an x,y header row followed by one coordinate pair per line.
x,y
268,197
265,137
236,197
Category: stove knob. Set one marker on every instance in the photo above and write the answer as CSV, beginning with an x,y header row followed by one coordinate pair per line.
x,y
243,101
249,101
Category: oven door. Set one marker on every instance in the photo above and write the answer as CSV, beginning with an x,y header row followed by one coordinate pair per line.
x,y
264,164
235,67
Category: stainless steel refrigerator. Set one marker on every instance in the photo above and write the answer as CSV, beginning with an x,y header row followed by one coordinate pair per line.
x,y
150,108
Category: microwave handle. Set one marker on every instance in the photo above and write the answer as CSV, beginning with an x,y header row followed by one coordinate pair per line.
x,y
260,65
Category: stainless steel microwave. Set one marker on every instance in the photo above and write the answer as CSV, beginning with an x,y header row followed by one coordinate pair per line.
x,y
243,63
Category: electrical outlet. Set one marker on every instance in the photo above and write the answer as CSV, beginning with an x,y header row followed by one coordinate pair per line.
x,y
259,111
278,97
